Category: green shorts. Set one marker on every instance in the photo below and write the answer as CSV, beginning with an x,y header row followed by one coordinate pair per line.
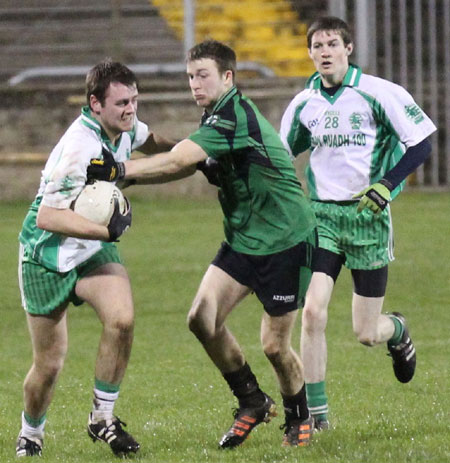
x,y
364,240
44,290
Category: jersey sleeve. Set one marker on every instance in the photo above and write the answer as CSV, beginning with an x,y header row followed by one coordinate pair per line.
x,y
213,140
294,135
65,172
405,116
139,135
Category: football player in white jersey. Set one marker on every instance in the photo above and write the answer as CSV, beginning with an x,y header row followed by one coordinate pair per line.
x,y
365,136
67,258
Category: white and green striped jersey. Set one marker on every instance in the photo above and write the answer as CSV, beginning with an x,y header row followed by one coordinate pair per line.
x,y
62,179
355,136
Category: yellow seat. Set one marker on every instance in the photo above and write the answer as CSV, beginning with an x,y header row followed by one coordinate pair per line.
x,y
264,31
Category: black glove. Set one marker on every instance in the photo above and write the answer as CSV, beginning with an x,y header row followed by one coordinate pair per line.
x,y
211,169
105,169
119,223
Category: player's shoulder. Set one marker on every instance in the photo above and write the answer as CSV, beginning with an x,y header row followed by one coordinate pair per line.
x,y
300,100
310,89
379,88
304,95
81,131
81,138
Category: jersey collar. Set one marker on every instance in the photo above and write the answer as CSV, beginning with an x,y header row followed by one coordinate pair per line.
x,y
93,124
224,98
351,78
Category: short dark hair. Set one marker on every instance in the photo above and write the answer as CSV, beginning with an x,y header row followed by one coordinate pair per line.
x,y
330,23
223,55
102,74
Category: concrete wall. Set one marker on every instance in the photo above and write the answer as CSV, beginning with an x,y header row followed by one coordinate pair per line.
x,y
32,121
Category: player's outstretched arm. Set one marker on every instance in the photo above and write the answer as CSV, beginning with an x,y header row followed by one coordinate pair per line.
x,y
156,144
178,163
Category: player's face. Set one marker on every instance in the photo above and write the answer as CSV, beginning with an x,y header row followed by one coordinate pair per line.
x,y
118,111
330,56
207,83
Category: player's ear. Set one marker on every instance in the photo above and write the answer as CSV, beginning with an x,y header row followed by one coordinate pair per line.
x,y
349,49
229,75
95,104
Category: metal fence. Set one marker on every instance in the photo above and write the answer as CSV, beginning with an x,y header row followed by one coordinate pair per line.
x,y
408,42
405,41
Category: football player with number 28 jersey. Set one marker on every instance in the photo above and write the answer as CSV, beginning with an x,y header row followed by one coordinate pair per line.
x,y
365,136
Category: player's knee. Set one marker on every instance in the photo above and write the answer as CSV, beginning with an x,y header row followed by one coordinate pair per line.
x,y
193,322
48,369
273,353
125,323
314,318
200,329
121,327
273,350
369,342
197,320
365,338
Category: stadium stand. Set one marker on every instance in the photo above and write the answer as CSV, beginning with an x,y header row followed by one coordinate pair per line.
x,y
266,31
48,33
43,33
78,33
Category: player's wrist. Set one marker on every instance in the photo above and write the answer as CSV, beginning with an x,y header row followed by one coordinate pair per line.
x,y
121,171
387,184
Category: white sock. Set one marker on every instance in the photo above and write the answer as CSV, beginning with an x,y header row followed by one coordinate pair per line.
x,y
30,431
103,405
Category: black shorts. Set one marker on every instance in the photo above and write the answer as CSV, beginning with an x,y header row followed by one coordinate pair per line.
x,y
279,280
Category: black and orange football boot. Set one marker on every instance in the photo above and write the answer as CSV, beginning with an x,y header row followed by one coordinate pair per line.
x,y
245,420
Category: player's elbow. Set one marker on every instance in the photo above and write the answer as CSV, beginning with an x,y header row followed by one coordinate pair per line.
x,y
43,219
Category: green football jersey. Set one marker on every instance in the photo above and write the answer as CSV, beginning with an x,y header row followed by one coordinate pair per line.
x,y
265,209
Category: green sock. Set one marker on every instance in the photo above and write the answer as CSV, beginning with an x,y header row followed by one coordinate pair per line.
x,y
35,423
398,331
317,400
106,387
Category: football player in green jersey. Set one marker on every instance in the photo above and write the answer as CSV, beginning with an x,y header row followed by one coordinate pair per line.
x,y
365,135
269,238
67,258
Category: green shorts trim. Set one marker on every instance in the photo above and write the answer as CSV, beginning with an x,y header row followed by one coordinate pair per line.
x,y
44,290
363,239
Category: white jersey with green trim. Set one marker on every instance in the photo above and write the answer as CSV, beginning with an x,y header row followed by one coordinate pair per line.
x,y
355,136
62,180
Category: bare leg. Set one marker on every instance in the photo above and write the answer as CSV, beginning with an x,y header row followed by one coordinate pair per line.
x,y
216,297
276,334
370,326
108,291
49,341
314,321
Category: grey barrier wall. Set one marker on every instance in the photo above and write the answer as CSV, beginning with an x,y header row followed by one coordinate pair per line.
x,y
32,121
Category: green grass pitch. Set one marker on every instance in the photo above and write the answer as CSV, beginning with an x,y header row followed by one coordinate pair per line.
x,y
175,402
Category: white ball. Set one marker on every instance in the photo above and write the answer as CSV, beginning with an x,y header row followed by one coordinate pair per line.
x,y
96,201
